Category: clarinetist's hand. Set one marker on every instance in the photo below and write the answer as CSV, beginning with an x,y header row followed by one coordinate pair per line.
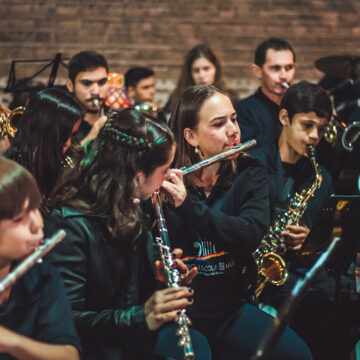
x,y
174,188
164,305
186,275
295,235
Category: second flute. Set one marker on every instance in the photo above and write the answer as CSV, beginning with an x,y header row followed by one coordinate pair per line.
x,y
218,157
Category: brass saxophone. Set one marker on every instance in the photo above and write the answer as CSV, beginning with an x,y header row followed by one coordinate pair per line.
x,y
268,256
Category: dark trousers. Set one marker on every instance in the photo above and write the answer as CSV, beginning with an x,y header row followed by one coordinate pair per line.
x,y
236,336
315,317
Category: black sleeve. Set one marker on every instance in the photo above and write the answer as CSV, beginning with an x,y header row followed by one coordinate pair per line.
x,y
317,202
55,324
110,326
241,226
247,121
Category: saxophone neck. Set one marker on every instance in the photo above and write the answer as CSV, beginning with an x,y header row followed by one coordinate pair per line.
x,y
318,176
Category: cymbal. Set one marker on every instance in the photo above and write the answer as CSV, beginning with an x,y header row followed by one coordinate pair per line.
x,y
340,66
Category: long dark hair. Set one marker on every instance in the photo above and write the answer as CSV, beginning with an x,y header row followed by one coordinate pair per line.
x,y
186,79
103,185
186,115
43,130
16,185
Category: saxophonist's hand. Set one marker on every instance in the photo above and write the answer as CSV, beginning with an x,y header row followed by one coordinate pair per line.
x,y
295,235
164,305
186,275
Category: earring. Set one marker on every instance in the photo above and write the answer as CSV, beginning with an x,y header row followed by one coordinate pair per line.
x,y
196,149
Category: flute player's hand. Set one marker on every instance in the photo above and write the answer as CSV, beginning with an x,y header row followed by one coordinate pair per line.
x,y
174,188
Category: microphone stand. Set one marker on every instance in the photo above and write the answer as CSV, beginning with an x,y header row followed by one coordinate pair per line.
x,y
272,337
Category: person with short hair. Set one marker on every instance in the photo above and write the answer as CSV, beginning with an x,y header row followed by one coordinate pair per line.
x,y
305,112
140,84
87,81
274,66
35,317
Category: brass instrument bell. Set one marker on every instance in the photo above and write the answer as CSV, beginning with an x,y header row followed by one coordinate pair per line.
x,y
7,124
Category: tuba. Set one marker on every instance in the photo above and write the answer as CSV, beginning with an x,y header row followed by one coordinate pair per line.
x,y
7,124
268,256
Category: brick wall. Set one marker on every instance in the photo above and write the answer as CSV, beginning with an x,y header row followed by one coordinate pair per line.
x,y
157,33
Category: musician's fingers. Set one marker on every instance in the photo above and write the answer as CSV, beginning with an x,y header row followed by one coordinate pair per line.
x,y
165,302
177,253
177,173
291,238
296,229
159,268
177,191
296,247
187,280
180,266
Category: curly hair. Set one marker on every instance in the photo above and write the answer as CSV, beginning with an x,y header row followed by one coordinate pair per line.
x,y
103,185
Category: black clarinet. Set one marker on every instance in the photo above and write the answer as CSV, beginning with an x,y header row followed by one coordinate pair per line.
x,y
172,277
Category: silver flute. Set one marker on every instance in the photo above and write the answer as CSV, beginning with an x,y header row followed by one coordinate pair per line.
x,y
172,277
29,261
207,162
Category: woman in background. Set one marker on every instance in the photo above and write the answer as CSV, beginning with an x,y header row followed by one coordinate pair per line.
x,y
201,67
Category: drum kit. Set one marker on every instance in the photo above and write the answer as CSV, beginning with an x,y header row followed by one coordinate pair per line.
x,y
342,156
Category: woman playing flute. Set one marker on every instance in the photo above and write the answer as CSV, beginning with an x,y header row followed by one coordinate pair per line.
x,y
219,224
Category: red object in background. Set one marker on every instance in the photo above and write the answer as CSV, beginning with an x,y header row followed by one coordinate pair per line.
x,y
117,97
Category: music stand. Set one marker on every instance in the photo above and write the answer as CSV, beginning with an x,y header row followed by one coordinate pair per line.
x,y
14,87
339,217
272,337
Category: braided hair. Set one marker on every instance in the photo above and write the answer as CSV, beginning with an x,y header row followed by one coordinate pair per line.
x,y
103,185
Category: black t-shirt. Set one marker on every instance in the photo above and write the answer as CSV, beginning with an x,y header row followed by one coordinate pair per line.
x,y
39,309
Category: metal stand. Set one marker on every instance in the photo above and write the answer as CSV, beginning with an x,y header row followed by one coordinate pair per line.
x,y
272,337
14,87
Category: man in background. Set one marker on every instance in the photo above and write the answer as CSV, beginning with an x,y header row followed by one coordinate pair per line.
x,y
258,115
140,85
87,81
